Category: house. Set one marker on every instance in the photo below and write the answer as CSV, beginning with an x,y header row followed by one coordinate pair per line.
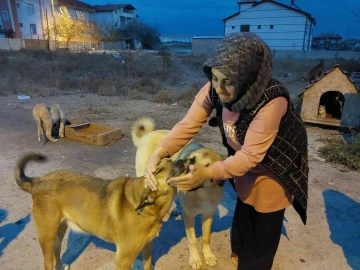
x,y
117,15
76,9
332,100
326,41
282,27
31,19
349,44
112,16
9,23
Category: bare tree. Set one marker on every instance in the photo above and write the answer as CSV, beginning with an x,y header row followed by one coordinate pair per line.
x,y
108,32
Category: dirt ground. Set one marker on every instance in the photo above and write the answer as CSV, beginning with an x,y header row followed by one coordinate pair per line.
x,y
330,240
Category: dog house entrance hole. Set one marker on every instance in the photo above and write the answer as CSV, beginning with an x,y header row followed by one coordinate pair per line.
x,y
331,105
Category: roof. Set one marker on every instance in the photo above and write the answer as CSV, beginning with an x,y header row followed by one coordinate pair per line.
x,y
328,35
326,73
255,3
231,16
111,7
76,3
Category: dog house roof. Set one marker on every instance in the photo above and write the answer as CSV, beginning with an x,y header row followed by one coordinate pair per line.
x,y
328,72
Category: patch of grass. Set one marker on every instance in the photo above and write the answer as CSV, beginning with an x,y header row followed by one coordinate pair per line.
x,y
337,150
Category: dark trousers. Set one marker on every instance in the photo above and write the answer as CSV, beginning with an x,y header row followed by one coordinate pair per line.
x,y
255,236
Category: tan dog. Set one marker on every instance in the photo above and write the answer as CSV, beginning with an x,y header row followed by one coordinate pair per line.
x,y
119,210
200,201
46,117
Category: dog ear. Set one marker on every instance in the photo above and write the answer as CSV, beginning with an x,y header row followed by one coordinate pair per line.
x,y
147,198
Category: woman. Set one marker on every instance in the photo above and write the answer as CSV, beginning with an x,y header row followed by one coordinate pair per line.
x,y
266,142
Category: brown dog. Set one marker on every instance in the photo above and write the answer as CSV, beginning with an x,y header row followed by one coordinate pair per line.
x,y
46,117
119,210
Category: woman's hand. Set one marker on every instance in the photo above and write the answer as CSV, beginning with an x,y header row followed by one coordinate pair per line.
x,y
198,174
151,165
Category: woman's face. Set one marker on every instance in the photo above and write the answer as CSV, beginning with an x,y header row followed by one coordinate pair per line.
x,y
223,86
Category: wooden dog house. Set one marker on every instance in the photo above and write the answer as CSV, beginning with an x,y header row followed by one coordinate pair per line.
x,y
337,93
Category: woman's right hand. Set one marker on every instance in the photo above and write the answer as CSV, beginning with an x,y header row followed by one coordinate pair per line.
x,y
151,165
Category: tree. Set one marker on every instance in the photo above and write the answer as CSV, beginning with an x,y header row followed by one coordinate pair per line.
x,y
108,32
69,28
148,35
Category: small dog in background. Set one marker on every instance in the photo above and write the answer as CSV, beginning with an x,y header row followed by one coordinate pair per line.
x,y
46,117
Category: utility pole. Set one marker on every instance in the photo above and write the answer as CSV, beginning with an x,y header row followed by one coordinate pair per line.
x,y
48,30
53,16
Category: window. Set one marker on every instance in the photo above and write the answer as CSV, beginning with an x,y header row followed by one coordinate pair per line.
x,y
333,41
18,5
79,14
322,41
122,20
245,28
232,27
271,26
5,16
30,9
20,24
33,29
259,26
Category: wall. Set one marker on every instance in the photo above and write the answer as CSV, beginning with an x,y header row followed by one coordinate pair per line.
x,y
26,19
112,16
207,46
9,44
290,30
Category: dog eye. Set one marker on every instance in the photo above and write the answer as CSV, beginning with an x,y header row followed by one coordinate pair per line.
x,y
207,165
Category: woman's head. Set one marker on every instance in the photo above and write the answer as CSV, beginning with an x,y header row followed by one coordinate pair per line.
x,y
240,70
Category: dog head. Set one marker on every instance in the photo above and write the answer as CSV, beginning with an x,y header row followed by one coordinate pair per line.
x,y
165,170
204,157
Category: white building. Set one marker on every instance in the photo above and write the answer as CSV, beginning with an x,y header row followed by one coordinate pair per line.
x,y
34,16
117,15
30,19
282,27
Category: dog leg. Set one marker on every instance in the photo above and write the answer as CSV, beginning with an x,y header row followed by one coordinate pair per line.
x,y
146,254
195,260
59,238
207,220
39,128
62,128
47,230
126,256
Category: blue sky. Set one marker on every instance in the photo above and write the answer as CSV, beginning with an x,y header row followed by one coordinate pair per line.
x,y
204,17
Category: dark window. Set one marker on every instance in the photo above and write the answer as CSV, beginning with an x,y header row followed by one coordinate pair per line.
x,y
232,27
259,26
245,28
271,26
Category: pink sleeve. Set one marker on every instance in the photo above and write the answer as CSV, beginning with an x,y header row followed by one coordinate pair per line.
x,y
190,125
259,137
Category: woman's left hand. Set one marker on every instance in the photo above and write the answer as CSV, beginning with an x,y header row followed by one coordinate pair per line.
x,y
198,174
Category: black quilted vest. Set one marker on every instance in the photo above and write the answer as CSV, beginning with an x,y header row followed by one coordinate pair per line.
x,y
287,157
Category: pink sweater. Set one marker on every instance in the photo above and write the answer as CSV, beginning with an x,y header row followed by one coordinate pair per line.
x,y
254,183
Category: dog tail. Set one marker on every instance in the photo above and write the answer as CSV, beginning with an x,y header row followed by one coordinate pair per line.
x,y
141,127
21,180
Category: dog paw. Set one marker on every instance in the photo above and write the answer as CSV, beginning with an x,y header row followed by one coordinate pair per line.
x,y
195,262
61,136
67,267
210,259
